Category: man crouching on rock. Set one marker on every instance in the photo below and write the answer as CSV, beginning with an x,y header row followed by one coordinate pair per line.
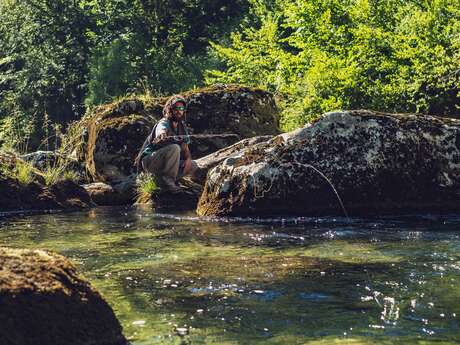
x,y
165,152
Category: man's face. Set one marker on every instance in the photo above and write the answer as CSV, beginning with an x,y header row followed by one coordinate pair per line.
x,y
178,111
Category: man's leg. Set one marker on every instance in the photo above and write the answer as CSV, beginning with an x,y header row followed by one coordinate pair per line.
x,y
189,169
164,164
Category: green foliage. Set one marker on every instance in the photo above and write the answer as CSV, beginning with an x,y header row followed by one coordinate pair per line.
x,y
59,173
44,50
146,185
58,56
111,73
322,55
24,172
159,46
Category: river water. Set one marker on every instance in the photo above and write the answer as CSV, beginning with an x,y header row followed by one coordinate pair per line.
x,y
179,279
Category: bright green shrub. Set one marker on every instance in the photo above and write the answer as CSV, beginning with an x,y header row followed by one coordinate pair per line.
x,y
322,55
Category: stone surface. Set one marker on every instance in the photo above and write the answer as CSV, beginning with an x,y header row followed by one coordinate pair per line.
x,y
34,196
210,161
44,301
227,108
103,194
377,163
204,144
108,140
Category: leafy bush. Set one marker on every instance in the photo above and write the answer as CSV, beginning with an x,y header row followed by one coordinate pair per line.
x,y
322,55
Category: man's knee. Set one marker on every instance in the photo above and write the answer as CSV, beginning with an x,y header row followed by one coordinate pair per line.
x,y
173,150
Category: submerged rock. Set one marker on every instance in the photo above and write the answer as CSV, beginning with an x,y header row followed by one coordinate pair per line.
x,y
44,301
108,139
377,163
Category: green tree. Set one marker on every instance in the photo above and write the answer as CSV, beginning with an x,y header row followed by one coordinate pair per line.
x,y
44,49
59,56
164,43
322,55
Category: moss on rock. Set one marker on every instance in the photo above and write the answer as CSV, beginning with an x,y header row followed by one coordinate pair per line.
x,y
44,301
108,138
378,163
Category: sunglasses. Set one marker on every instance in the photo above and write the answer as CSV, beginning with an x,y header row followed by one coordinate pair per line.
x,y
180,108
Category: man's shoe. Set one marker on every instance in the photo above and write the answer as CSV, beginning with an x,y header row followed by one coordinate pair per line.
x,y
169,185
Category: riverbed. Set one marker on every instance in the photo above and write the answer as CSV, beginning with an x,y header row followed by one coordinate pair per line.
x,y
180,279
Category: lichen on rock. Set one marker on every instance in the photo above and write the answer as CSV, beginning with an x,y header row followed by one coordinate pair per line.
x,y
375,163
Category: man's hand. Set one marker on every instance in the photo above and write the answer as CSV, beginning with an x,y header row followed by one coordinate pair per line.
x,y
185,151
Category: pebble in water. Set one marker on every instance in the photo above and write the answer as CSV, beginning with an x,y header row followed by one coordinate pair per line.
x,y
139,323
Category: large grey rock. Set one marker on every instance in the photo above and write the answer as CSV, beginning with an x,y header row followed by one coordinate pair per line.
x,y
210,161
43,301
378,163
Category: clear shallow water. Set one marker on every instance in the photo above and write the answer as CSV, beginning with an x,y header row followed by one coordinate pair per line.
x,y
184,280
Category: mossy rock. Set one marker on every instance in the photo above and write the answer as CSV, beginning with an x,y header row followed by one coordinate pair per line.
x,y
228,108
44,301
165,201
34,194
372,163
108,139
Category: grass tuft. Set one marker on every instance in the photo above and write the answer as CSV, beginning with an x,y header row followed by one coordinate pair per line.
x,y
59,173
24,173
146,185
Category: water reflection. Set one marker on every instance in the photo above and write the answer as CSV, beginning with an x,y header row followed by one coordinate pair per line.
x,y
180,278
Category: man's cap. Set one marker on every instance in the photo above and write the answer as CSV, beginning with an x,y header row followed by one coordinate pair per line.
x,y
179,99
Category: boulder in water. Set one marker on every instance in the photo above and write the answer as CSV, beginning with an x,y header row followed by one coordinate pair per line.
x,y
23,188
373,163
44,301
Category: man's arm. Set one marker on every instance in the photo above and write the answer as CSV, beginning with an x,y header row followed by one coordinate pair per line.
x,y
186,151
161,132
